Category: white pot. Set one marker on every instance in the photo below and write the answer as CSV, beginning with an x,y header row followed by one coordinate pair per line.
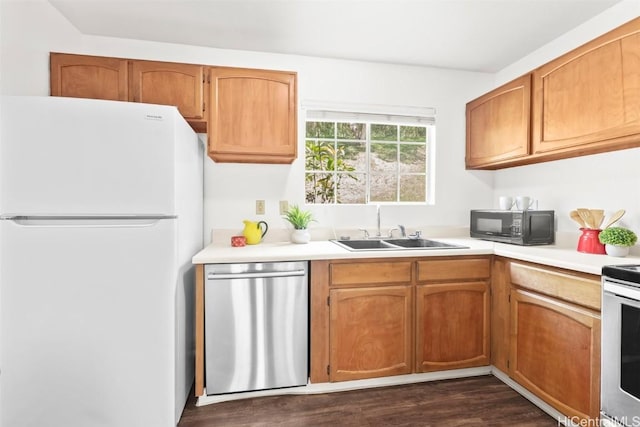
x,y
619,251
300,236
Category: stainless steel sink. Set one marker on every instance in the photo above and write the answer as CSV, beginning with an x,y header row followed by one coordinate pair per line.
x,y
364,245
422,244
394,244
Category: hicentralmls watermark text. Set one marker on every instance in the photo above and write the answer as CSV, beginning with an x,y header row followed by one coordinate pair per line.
x,y
598,422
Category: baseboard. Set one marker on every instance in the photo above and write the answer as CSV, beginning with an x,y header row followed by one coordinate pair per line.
x,y
349,385
560,417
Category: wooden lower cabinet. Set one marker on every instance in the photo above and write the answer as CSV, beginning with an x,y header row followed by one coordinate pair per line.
x,y
371,333
452,326
555,352
554,340
392,316
452,313
500,313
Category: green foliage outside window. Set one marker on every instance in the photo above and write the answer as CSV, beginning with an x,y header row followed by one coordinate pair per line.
x,y
322,187
353,162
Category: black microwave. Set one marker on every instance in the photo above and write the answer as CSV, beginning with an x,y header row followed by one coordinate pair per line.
x,y
529,227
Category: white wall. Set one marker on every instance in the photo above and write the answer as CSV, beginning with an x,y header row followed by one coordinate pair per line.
x,y
31,29
609,181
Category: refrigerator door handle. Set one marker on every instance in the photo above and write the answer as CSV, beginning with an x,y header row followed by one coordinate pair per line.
x,y
86,221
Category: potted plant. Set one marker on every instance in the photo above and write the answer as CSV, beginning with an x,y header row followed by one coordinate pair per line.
x,y
617,240
300,220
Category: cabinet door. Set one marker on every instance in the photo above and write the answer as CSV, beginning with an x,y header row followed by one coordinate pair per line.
x,y
555,352
498,124
452,326
80,76
590,97
168,83
253,116
371,332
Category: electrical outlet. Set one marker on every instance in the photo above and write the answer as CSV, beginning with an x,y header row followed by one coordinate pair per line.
x,y
259,207
284,207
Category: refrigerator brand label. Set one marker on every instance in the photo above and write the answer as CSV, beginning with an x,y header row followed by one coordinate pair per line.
x,y
153,117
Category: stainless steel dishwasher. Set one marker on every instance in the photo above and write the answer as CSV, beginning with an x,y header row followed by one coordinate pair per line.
x,y
256,326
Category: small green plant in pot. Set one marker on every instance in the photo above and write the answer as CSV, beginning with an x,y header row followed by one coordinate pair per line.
x,y
300,220
617,240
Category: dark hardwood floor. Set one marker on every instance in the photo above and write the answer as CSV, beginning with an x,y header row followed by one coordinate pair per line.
x,y
476,401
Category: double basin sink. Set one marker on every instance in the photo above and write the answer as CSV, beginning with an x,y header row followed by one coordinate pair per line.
x,y
394,244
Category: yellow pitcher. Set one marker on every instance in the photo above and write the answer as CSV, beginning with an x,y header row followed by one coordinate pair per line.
x,y
253,232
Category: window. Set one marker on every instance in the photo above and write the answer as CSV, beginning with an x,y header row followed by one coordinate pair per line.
x,y
360,158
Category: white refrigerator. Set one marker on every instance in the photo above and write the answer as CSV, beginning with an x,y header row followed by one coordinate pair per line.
x,y
101,212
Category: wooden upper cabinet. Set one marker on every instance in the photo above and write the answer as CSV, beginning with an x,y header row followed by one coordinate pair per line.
x,y
498,124
253,116
168,83
589,98
81,76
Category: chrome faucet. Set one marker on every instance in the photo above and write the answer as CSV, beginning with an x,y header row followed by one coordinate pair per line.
x,y
378,232
400,228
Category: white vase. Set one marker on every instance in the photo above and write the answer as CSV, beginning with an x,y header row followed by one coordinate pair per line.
x,y
300,236
619,251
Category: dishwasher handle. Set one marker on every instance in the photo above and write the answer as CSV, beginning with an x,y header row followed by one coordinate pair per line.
x,y
256,275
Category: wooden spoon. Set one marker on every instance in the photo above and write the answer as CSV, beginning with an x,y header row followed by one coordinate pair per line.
x,y
614,218
576,217
598,216
585,214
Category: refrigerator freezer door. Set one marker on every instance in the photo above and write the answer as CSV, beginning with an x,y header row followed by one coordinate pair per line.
x,y
88,157
87,324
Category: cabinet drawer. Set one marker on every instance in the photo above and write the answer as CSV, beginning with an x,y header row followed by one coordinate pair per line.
x,y
454,269
583,290
368,273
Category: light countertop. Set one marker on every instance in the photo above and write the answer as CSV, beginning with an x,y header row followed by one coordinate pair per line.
x,y
559,255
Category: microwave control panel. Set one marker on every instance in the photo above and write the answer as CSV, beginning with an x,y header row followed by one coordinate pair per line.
x,y
516,225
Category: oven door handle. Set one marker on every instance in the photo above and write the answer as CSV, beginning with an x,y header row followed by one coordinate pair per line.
x,y
621,291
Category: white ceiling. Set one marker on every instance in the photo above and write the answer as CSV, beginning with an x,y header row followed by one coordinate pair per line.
x,y
477,35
